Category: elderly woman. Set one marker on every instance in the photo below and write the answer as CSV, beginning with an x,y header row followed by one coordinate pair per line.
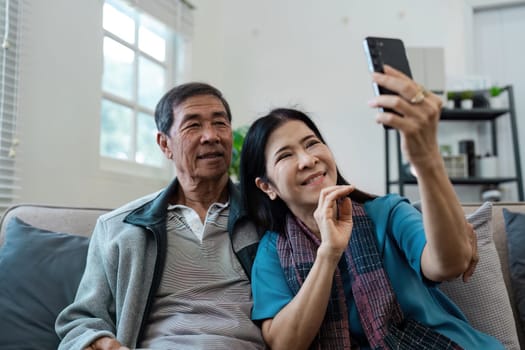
x,y
340,269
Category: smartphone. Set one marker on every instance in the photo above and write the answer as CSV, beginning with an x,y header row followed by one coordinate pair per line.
x,y
380,51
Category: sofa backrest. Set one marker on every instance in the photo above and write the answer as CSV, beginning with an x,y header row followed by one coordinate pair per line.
x,y
74,220
81,221
499,233
500,240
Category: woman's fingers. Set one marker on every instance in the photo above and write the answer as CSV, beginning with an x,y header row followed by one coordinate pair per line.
x,y
396,81
407,88
334,205
334,217
330,195
419,107
420,111
395,72
475,257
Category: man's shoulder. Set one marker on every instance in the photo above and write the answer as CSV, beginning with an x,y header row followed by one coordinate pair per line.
x,y
125,209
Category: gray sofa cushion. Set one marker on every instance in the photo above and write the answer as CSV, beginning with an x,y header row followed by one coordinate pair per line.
x,y
484,298
39,273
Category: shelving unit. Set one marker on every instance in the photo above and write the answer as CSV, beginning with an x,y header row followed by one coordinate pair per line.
x,y
465,115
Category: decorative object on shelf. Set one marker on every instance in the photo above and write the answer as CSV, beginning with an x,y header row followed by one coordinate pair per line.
x,y
456,166
467,148
445,150
449,104
480,100
488,166
495,91
479,176
453,100
467,104
467,99
490,193
496,98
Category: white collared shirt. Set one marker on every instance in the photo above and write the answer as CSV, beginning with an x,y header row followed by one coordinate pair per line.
x,y
192,218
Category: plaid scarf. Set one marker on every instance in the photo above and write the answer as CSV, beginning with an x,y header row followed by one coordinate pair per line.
x,y
379,311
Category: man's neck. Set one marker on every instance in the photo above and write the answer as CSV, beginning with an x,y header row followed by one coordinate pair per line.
x,y
201,195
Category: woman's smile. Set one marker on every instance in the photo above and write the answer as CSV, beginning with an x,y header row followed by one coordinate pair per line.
x,y
315,179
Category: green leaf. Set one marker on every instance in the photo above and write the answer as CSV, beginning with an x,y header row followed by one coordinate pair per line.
x,y
495,91
238,139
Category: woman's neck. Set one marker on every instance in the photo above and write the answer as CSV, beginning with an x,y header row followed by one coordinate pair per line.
x,y
308,219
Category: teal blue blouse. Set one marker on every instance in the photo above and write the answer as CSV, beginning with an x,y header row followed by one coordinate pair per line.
x,y
401,239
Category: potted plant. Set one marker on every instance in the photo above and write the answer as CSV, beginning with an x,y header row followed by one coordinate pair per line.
x,y
452,97
466,99
495,91
238,139
496,99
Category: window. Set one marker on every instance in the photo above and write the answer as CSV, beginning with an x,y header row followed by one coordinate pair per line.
x,y
140,52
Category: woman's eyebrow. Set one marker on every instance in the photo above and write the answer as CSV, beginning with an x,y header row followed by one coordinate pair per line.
x,y
306,138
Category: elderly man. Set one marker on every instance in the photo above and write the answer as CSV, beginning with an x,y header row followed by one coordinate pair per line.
x,y
171,270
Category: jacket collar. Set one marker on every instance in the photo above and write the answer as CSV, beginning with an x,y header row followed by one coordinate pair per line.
x,y
154,211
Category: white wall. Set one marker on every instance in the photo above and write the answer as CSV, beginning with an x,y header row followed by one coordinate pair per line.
x,y
271,53
497,56
59,99
262,54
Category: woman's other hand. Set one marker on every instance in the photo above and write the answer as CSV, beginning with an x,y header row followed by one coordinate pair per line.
x,y
475,256
334,219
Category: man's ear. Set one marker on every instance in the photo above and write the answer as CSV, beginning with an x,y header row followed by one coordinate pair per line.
x,y
163,142
266,188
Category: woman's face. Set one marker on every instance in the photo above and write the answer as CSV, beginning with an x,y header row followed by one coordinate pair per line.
x,y
298,166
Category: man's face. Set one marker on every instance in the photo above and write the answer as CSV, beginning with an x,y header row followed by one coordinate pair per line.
x,y
200,139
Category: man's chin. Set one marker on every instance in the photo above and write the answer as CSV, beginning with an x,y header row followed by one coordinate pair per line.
x,y
213,174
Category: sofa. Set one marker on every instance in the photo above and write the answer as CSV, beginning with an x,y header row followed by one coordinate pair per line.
x,y
42,256
507,226
28,309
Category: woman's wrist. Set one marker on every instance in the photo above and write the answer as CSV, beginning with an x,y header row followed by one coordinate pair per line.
x,y
329,254
431,163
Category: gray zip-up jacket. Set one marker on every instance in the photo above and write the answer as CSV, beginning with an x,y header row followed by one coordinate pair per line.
x,y
124,265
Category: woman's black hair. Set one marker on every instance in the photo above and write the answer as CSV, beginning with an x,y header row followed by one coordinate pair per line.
x,y
266,213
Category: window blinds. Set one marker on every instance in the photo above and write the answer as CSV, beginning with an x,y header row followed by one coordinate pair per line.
x,y
10,14
177,14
